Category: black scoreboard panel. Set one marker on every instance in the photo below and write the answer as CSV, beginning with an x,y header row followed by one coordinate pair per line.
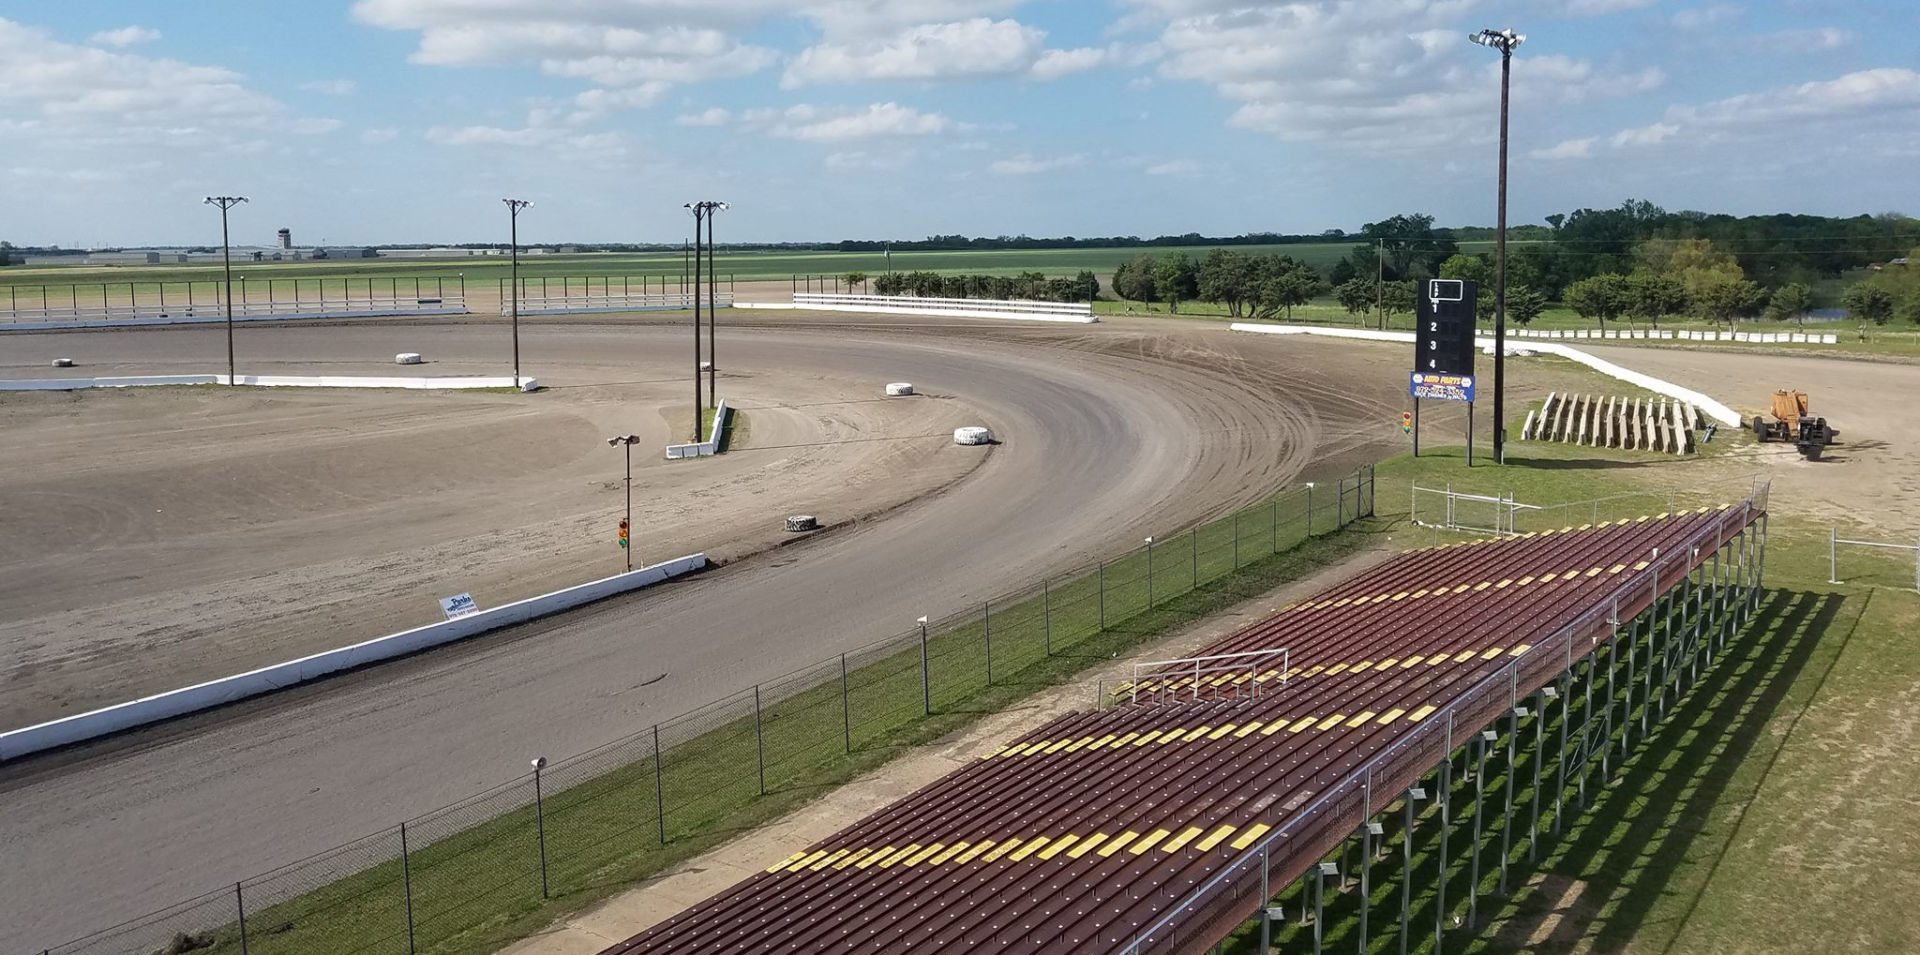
x,y
1443,341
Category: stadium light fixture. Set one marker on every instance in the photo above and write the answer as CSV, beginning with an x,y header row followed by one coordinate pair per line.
x,y
699,210
226,254
1506,41
513,214
627,441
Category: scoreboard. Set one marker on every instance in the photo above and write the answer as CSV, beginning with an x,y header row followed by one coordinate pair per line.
x,y
1443,340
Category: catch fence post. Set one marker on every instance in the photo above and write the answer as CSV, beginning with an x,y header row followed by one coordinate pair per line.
x,y
759,742
986,631
659,790
846,707
406,882
1046,614
926,684
240,906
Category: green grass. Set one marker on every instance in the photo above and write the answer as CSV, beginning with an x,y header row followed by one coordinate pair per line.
x,y
473,872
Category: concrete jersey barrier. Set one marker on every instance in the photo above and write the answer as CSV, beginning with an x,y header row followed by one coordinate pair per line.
x,y
1707,405
711,446
1076,312
152,709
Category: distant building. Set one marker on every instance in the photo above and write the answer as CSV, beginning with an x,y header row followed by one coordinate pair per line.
x,y
286,240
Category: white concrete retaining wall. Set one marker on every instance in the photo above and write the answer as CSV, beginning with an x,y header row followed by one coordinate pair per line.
x,y
1079,312
152,709
711,446
1761,338
270,381
1708,406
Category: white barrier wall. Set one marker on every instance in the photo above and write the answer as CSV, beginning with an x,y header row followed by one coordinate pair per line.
x,y
1080,312
1708,406
706,448
106,320
1763,338
152,709
270,381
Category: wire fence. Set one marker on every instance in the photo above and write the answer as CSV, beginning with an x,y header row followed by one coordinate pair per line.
x,y
1503,514
260,296
475,875
577,293
1872,573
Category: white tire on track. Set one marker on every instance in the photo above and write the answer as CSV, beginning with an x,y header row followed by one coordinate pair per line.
x,y
972,435
899,388
408,358
803,522
63,363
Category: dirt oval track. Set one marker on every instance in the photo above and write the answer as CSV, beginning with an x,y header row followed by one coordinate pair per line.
x,y
1109,433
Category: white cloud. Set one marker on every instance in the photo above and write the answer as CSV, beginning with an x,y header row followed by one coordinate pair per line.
x,y
1025,164
973,47
1857,104
711,116
1570,149
811,123
315,127
1054,64
1174,167
1399,79
863,160
1591,8
376,136
1694,18
124,37
331,87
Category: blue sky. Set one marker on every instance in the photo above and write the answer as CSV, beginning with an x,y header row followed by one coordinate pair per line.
x,y
408,120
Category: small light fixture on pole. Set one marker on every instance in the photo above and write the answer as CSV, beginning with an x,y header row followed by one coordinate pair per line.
x,y
513,215
226,248
1506,41
627,441
1149,572
926,685
540,820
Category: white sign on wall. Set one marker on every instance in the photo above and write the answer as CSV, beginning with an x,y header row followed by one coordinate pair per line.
x,y
458,605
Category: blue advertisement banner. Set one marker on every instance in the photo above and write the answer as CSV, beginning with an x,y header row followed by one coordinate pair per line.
x,y
1441,387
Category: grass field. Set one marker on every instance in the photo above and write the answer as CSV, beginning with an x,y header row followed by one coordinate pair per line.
x,y
741,266
1766,814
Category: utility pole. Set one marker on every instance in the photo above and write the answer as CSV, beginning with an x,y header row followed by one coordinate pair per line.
x,y
1380,280
226,247
513,216
1506,41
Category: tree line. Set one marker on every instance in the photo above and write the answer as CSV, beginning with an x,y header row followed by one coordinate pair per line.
x,y
1249,284
1032,286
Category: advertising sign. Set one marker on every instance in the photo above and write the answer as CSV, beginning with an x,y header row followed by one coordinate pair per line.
x,y
458,605
1441,387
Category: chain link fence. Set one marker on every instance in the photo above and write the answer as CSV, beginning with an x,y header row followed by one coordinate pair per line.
x,y
474,875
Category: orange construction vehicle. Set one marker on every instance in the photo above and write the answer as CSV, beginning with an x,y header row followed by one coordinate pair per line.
x,y
1793,421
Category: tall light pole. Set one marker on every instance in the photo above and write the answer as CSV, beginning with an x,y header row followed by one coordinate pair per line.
x,y
627,441
713,305
699,210
226,249
1506,41
513,231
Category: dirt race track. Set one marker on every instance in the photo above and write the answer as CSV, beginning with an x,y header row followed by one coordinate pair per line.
x,y
1109,434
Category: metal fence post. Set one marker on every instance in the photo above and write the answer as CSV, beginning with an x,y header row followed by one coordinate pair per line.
x,y
926,682
759,742
1103,596
540,821
1309,508
1833,554
1236,540
986,631
1276,525
406,882
846,708
659,790
1196,558
240,906
1046,614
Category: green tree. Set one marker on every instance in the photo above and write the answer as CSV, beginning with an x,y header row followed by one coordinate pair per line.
x,y
1175,281
1525,304
1397,298
854,280
1475,269
1227,277
1600,297
1134,280
1725,299
1294,286
1355,295
1086,286
891,283
1790,302
1868,302
1652,296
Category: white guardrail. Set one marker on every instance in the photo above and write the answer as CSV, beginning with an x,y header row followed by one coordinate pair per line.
x,y
162,706
615,302
130,316
1708,406
1079,312
1637,334
708,447
270,381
